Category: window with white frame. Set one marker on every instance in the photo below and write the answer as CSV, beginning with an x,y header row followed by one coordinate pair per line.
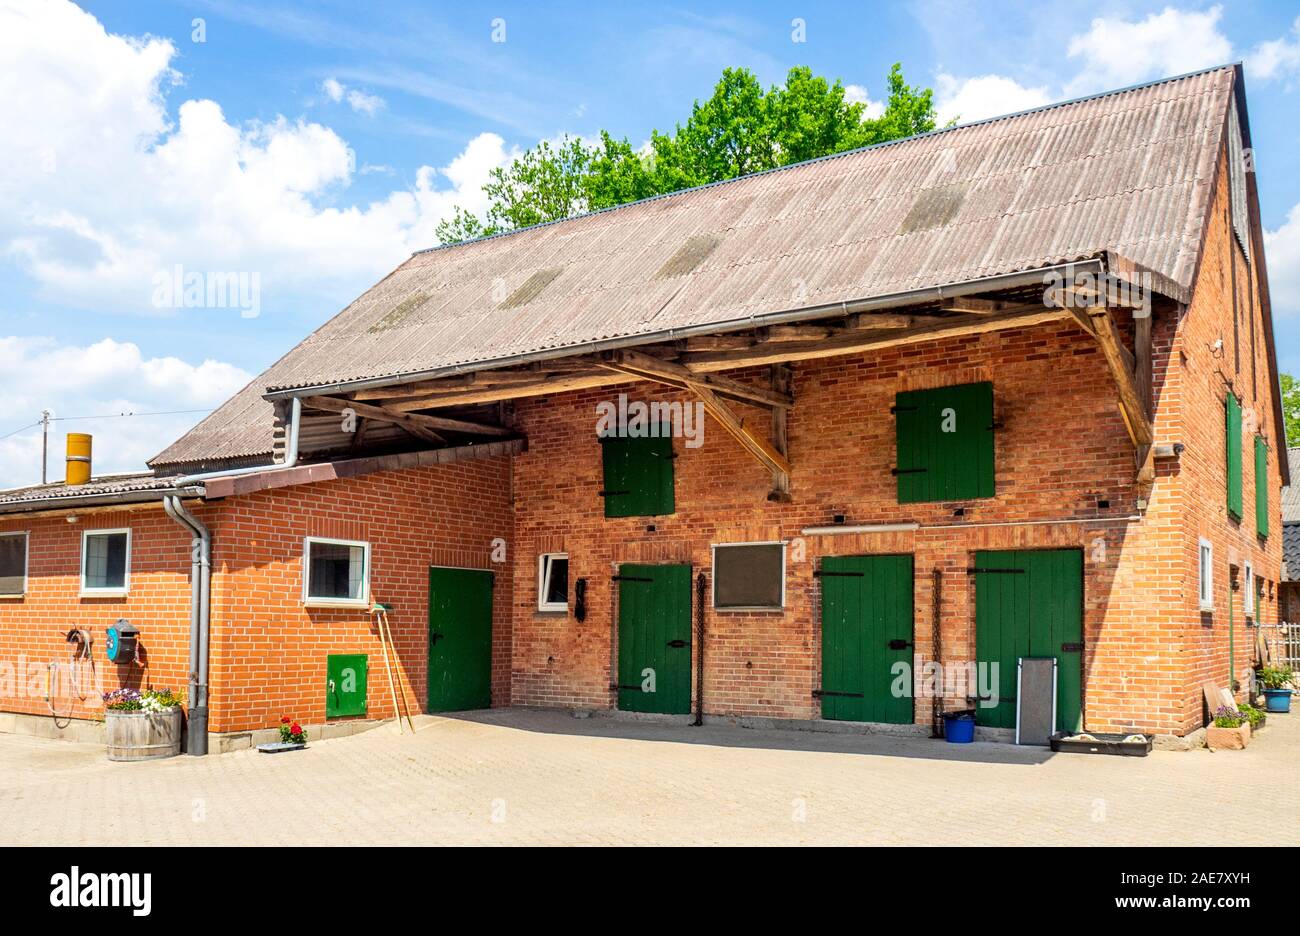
x,y
1207,575
105,562
749,576
13,565
553,582
336,573
1248,593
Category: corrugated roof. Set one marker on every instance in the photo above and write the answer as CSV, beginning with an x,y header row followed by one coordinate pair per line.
x,y
1128,172
1291,493
106,485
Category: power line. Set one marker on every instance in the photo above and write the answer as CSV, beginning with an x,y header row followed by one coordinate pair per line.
x,y
37,424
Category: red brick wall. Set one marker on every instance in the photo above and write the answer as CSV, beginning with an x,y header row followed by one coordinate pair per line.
x,y
32,628
1063,447
268,651
1204,378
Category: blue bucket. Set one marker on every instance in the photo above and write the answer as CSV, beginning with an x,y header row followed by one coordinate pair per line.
x,y
1277,700
959,728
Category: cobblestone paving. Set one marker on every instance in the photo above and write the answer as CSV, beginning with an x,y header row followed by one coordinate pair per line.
x,y
537,777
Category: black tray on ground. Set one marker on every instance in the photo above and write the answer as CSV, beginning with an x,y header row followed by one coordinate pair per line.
x,y
1064,742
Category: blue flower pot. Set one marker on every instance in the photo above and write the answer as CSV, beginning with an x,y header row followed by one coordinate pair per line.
x,y
1277,700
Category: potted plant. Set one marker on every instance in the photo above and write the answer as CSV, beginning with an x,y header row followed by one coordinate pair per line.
x,y
142,725
1230,731
292,738
1254,717
1277,691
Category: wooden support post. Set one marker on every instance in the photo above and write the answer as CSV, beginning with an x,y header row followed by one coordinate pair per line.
x,y
781,381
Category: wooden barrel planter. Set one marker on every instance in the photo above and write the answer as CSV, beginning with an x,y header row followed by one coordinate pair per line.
x,y
136,736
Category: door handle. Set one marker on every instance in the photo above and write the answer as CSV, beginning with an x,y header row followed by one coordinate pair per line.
x,y
897,644
435,637
677,643
331,686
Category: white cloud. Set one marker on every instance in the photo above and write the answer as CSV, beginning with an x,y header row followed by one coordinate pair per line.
x,y
333,89
101,379
857,94
972,99
1276,58
359,101
1283,250
1116,52
362,103
102,188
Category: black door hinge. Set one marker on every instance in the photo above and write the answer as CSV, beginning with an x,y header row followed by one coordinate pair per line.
x,y
1071,647
616,686
902,471
903,409
897,644
823,693
629,578
995,571
823,573
612,493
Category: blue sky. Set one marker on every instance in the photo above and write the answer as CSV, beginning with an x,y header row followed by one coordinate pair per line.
x,y
308,147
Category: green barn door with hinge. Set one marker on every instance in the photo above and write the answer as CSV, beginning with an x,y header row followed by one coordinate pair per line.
x,y
867,617
654,639
1029,603
460,639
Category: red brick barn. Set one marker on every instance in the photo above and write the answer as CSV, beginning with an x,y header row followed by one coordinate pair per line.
x,y
839,442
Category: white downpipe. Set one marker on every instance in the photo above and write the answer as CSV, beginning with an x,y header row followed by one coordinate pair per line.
x,y
290,455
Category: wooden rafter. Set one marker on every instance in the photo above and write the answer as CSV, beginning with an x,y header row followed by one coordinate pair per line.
x,y
430,424
648,367
760,448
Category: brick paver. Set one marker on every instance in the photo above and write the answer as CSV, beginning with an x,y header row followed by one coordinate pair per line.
x,y
524,776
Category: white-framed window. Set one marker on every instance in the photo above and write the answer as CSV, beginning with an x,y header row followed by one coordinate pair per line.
x,y
13,565
553,582
1248,596
336,573
105,562
749,576
1207,575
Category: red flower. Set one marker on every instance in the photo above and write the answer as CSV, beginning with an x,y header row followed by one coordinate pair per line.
x,y
285,720
295,728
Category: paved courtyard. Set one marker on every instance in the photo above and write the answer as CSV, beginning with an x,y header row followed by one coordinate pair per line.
x,y
536,777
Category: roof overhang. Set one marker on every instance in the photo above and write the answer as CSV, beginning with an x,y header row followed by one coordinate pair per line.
x,y
1095,266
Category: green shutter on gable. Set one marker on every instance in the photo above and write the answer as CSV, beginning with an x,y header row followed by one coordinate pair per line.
x,y
944,443
1261,486
1232,433
638,475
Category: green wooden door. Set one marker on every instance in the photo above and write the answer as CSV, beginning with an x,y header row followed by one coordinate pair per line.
x,y
460,639
1029,603
345,684
654,639
866,630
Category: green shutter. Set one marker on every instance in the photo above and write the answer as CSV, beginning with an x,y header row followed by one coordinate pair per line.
x,y
1232,432
345,684
944,443
638,475
1261,486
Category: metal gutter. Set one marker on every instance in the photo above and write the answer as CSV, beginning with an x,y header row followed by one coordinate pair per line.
x,y
91,500
1094,265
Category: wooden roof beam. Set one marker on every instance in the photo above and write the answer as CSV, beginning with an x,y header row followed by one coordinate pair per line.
x,y
760,448
651,368
1120,361
430,424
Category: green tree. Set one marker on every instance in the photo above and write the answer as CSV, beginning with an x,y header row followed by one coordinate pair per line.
x,y
1291,408
739,129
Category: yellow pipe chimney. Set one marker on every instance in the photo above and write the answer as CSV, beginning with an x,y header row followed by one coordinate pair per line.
x,y
79,445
